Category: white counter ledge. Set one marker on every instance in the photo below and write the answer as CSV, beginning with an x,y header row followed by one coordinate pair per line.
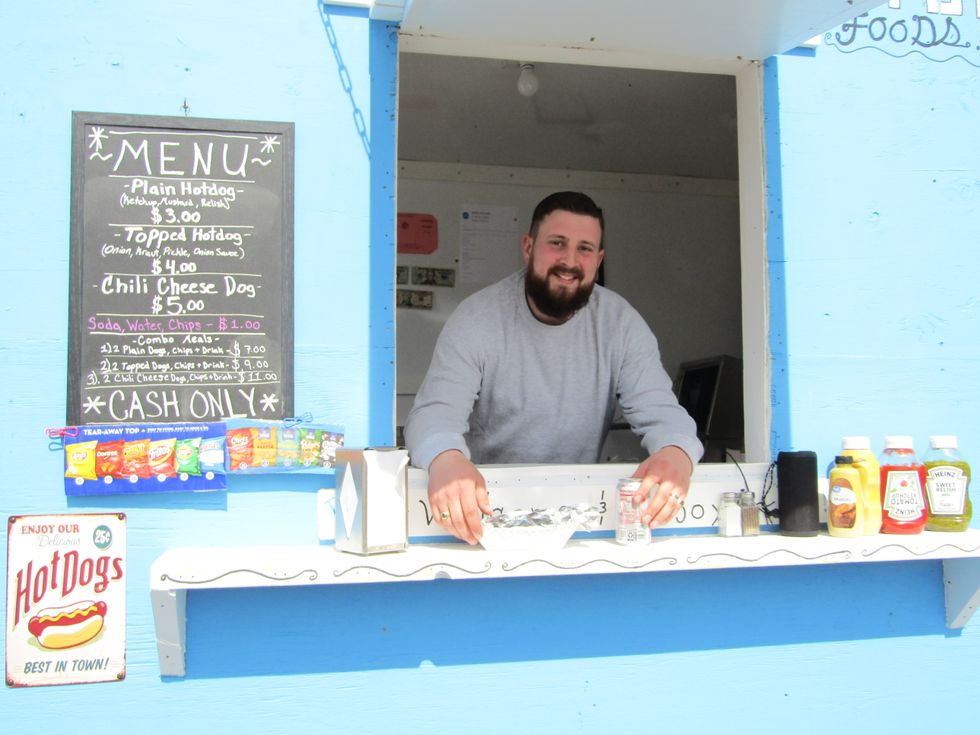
x,y
695,545
179,570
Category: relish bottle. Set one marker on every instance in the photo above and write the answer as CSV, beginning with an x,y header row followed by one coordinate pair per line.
x,y
903,479
947,486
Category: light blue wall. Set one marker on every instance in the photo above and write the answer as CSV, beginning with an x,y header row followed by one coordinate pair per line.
x,y
860,142
874,170
874,196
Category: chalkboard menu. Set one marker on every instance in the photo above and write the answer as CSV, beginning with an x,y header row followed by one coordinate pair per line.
x,y
181,298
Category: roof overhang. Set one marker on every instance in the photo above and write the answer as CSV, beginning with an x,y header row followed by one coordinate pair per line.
x,y
683,35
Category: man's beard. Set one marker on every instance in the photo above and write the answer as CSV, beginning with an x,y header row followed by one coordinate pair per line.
x,y
561,304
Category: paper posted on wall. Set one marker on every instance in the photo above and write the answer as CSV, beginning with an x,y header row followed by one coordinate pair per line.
x,y
489,243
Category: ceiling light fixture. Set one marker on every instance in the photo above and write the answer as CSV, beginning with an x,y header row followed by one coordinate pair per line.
x,y
527,82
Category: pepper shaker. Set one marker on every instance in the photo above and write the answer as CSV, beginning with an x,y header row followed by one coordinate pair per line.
x,y
749,512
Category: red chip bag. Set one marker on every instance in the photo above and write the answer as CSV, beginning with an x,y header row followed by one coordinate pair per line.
x,y
109,459
161,457
241,443
136,458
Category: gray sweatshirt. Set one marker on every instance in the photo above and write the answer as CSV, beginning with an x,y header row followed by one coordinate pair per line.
x,y
504,388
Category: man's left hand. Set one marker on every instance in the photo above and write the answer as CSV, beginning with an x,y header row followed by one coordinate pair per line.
x,y
666,477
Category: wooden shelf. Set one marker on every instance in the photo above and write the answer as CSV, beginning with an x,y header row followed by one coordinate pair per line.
x,y
177,571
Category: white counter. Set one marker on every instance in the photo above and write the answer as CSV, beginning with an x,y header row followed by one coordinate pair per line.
x,y
179,570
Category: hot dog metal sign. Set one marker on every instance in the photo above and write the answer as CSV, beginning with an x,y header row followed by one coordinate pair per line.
x,y
66,599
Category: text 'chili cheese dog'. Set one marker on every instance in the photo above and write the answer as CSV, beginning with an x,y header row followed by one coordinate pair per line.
x,y
69,626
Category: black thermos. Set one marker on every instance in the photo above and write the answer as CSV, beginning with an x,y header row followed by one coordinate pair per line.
x,y
796,477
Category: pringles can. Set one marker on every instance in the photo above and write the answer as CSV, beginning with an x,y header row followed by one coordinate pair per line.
x,y
630,529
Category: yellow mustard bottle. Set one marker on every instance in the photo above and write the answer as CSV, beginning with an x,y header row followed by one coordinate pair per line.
x,y
845,499
947,486
865,461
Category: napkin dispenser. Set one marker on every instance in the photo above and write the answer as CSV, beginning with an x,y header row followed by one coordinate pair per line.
x,y
372,500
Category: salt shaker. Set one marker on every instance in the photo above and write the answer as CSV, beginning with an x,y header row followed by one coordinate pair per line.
x,y
729,515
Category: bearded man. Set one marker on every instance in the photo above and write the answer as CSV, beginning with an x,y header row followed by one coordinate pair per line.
x,y
530,370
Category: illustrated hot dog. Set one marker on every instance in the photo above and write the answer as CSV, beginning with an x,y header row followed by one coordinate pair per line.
x,y
69,626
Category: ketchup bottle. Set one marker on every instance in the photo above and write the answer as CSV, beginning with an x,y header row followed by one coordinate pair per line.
x,y
903,481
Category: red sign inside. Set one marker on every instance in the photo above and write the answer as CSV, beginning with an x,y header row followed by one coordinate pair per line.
x,y
418,234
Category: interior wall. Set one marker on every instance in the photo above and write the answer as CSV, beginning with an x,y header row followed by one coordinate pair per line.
x,y
672,250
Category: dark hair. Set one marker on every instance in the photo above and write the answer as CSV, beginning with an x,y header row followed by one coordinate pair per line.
x,y
567,201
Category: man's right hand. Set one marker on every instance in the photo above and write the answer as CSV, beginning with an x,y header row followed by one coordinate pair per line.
x,y
458,495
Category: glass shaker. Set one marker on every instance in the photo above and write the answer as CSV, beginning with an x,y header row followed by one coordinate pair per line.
x,y
729,515
749,512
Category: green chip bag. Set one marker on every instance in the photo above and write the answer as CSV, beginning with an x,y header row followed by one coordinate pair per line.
x,y
187,456
309,447
288,447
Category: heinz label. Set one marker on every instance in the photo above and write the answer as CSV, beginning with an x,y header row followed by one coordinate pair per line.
x,y
66,599
946,486
903,499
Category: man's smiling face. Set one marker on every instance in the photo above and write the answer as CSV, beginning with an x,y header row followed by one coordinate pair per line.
x,y
563,258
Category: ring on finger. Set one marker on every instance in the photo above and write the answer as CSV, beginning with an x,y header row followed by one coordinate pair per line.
x,y
677,498
444,515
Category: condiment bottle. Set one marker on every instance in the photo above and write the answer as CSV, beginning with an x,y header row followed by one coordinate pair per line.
x,y
947,486
729,515
859,447
750,513
903,479
845,499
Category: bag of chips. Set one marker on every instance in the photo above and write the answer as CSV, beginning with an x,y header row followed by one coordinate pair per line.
x,y
264,447
187,456
80,460
287,448
309,447
161,457
212,456
109,459
136,455
328,448
241,448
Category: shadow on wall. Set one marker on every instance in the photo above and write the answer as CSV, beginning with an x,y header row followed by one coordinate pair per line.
x,y
362,627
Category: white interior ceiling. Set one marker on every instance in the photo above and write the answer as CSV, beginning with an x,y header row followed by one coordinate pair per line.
x,y
625,85
583,118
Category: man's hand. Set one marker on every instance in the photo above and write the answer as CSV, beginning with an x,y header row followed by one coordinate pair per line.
x,y
666,476
458,495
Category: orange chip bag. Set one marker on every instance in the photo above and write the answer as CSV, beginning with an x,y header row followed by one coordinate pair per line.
x,y
161,457
264,447
109,459
241,443
136,458
80,460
